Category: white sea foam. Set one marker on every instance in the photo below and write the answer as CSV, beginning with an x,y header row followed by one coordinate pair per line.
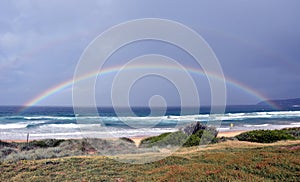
x,y
71,125
106,132
236,114
256,115
13,126
257,125
48,118
223,129
289,113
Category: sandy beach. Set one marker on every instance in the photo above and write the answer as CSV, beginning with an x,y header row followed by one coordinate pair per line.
x,y
230,133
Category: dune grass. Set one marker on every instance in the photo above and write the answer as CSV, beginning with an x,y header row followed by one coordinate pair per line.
x,y
265,162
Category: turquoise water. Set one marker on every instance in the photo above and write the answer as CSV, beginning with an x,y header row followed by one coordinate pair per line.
x,y
61,122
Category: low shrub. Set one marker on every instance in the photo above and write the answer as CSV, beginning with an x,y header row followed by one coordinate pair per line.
x,y
45,143
265,136
6,151
7,144
194,139
17,156
154,139
293,131
201,137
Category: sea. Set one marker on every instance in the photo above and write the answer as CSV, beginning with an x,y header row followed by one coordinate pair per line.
x,y
17,123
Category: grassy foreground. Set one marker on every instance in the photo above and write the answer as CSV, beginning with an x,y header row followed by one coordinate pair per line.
x,y
226,161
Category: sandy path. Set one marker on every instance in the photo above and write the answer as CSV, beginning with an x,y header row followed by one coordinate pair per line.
x,y
229,133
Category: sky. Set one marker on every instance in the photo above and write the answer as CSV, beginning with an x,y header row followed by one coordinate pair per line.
x,y
256,42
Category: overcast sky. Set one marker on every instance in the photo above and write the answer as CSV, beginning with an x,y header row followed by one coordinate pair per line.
x,y
257,43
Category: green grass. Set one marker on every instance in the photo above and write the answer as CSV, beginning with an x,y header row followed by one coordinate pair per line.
x,y
275,163
166,139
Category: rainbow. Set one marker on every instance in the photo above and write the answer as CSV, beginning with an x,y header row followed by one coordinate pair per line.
x,y
66,84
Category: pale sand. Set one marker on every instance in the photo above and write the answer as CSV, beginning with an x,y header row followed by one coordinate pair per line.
x,y
137,140
16,141
229,133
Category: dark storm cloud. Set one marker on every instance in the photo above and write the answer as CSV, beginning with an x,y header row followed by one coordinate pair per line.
x,y
257,42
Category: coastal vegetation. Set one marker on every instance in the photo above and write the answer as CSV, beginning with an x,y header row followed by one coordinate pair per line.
x,y
190,135
52,148
199,135
266,136
261,155
179,138
226,161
